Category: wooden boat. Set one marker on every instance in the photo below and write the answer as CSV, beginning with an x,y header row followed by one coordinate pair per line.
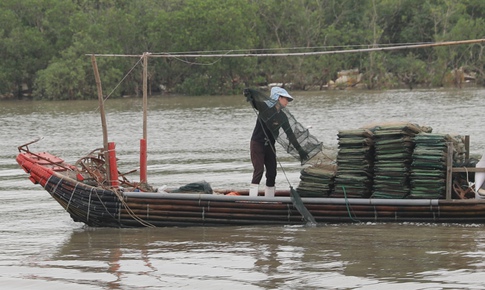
x,y
84,195
93,192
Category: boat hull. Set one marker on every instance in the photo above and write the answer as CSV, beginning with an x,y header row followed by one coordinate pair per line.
x,y
98,207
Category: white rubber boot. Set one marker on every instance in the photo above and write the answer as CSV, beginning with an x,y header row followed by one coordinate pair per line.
x,y
253,189
269,191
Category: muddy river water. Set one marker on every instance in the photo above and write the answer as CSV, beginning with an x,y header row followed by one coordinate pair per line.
x,y
192,139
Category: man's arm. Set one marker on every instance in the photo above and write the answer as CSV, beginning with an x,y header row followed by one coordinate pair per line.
x,y
256,99
285,125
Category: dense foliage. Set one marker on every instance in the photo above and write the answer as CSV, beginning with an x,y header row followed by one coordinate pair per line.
x,y
45,44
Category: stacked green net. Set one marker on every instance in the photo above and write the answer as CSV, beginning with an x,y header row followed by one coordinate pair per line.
x,y
394,145
428,169
354,164
316,181
399,160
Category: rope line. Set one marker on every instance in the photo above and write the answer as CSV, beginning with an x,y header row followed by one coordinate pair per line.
x,y
291,48
122,80
130,211
245,53
89,205
347,205
126,75
99,198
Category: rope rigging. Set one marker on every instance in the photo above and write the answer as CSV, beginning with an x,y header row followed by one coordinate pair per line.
x,y
251,53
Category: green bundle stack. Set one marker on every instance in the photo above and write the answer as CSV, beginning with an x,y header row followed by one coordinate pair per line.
x,y
316,181
394,145
354,164
428,169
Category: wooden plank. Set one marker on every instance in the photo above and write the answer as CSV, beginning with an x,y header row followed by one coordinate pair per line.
x,y
468,169
449,165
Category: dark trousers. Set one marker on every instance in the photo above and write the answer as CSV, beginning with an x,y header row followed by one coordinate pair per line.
x,y
263,156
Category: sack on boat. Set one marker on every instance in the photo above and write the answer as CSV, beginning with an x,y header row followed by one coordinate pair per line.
x,y
201,186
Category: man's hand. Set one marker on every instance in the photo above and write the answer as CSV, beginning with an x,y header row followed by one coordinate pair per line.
x,y
303,155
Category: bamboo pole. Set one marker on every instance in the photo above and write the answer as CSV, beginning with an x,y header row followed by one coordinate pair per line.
x,y
128,221
103,114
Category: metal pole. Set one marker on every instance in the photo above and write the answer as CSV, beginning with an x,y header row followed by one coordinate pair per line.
x,y
145,93
143,141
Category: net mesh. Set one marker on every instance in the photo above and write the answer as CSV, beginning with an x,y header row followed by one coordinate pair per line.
x,y
284,128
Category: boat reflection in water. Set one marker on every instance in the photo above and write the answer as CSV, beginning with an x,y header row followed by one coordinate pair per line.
x,y
349,256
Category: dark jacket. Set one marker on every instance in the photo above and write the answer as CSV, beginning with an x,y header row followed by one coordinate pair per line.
x,y
268,124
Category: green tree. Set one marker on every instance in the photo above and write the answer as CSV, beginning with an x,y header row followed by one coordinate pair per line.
x,y
45,44
209,26
34,32
8,59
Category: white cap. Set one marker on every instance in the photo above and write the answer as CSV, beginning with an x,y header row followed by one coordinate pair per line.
x,y
280,92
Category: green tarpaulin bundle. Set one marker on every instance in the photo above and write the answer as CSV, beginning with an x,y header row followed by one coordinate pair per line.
x,y
201,186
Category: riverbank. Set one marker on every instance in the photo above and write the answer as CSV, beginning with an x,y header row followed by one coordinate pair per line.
x,y
345,80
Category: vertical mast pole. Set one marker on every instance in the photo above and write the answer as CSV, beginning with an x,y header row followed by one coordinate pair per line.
x,y
145,93
143,142
103,115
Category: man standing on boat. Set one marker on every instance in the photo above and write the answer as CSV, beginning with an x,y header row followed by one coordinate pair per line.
x,y
270,119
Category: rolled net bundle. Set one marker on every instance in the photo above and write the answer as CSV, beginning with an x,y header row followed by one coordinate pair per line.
x,y
283,127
